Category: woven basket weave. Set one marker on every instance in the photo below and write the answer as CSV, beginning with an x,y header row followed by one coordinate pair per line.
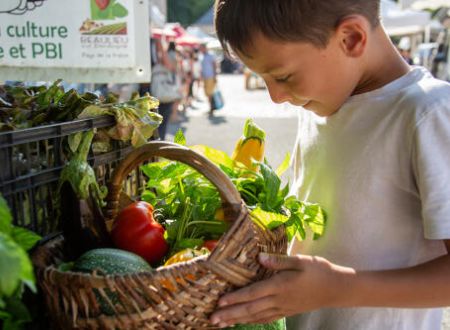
x,y
180,296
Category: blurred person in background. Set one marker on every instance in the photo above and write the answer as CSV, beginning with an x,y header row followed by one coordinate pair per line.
x,y
167,58
209,75
177,69
186,66
196,73
406,54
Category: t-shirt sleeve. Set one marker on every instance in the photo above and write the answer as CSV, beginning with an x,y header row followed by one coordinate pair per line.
x,y
431,162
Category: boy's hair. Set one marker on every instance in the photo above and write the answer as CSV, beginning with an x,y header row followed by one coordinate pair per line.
x,y
286,20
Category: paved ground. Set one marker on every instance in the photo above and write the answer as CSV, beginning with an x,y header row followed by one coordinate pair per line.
x,y
224,128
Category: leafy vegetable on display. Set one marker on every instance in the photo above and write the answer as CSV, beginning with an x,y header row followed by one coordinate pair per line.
x,y
135,121
24,107
16,270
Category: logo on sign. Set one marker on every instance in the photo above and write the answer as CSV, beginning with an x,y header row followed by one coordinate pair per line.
x,y
18,7
103,11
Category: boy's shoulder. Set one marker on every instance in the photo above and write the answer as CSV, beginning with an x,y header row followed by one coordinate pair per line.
x,y
425,91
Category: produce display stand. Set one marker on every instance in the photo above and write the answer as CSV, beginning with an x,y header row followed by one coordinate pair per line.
x,y
180,296
31,161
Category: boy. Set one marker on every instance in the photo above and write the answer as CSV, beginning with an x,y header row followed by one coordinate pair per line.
x,y
372,150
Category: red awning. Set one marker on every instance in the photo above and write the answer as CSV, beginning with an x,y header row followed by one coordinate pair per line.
x,y
163,33
187,40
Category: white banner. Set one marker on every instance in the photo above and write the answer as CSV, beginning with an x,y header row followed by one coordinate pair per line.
x,y
77,40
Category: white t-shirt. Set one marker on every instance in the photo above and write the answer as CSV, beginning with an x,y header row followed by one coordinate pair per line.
x,y
380,167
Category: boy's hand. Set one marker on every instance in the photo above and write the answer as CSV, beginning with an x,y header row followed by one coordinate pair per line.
x,y
302,284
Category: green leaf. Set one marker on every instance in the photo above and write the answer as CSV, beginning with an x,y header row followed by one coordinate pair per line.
x,y
3,315
268,220
304,214
271,186
153,170
218,157
148,196
92,111
284,192
209,228
189,243
284,165
315,218
170,234
24,238
179,137
5,217
18,312
295,227
15,267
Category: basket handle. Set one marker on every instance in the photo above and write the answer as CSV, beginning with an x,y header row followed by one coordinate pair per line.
x,y
231,199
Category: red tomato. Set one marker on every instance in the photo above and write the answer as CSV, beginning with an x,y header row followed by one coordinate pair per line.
x,y
210,244
135,230
102,4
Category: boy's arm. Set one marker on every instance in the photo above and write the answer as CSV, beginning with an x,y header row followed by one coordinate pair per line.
x,y
306,283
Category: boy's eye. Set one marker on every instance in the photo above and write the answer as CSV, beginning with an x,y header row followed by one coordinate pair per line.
x,y
283,79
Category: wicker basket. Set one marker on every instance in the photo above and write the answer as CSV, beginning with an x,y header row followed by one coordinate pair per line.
x,y
181,296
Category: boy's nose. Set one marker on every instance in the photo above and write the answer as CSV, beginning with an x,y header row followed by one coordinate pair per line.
x,y
277,93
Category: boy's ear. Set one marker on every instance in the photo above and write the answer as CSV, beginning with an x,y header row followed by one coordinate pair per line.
x,y
352,33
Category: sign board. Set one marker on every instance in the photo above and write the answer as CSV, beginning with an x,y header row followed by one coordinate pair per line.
x,y
90,41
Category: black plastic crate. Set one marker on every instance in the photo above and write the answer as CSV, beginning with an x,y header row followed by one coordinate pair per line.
x,y
30,164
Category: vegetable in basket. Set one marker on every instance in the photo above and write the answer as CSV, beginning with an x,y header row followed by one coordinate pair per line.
x,y
249,149
109,262
135,229
186,255
210,244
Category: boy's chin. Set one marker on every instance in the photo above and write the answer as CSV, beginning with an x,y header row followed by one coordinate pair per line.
x,y
318,109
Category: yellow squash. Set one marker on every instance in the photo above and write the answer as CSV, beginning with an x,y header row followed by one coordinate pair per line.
x,y
250,147
186,255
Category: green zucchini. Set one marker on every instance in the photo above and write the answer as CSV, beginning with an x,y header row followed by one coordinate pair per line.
x,y
110,262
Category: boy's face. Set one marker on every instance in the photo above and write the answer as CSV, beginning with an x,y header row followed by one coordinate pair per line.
x,y
318,79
